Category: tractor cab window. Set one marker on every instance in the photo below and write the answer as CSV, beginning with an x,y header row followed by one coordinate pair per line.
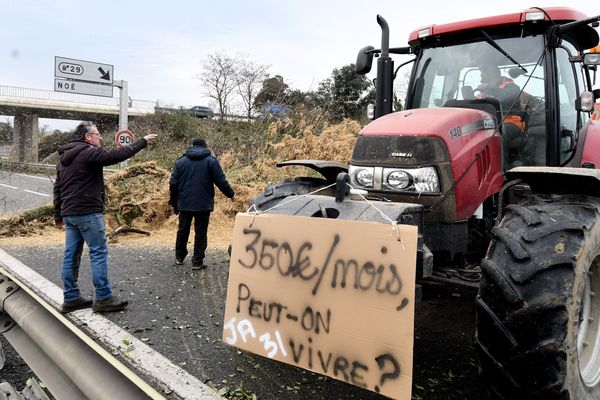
x,y
466,74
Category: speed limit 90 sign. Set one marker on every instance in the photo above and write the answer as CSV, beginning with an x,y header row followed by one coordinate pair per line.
x,y
123,138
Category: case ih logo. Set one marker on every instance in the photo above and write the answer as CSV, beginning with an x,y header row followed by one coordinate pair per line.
x,y
403,155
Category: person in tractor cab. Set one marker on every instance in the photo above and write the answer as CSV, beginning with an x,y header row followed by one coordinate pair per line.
x,y
503,89
518,148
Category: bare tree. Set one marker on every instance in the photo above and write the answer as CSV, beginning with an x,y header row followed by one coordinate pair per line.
x,y
219,79
249,83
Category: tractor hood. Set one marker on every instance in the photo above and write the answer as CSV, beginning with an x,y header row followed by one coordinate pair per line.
x,y
460,144
422,136
448,123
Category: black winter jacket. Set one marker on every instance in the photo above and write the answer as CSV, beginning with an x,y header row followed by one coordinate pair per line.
x,y
191,184
79,185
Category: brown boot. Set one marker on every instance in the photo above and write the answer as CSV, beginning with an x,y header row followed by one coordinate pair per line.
x,y
111,304
77,304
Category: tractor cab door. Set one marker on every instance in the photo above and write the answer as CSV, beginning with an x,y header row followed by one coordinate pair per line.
x,y
571,123
522,114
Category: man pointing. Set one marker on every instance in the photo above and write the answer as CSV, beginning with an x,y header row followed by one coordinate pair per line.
x,y
79,204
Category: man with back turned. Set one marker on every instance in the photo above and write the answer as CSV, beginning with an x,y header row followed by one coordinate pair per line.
x,y
192,196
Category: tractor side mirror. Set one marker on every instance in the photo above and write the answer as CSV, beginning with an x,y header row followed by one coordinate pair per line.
x,y
585,102
364,60
567,144
591,59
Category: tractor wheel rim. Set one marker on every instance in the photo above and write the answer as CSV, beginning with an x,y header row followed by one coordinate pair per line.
x,y
588,333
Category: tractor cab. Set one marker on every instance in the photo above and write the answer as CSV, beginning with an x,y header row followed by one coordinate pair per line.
x,y
476,75
485,96
525,69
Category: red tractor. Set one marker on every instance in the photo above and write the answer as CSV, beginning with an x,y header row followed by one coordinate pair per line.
x,y
495,159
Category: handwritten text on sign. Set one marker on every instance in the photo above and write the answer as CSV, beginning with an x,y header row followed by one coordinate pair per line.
x,y
331,296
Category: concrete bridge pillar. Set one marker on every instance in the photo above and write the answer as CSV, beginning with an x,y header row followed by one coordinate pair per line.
x,y
25,140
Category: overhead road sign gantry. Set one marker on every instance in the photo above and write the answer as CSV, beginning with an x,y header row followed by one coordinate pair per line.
x,y
89,71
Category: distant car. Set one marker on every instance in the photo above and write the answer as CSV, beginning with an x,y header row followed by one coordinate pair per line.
x,y
201,112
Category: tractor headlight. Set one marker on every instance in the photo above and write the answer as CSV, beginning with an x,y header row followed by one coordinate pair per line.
x,y
398,179
361,176
365,177
420,180
413,180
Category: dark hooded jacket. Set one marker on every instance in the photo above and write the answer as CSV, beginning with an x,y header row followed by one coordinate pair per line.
x,y
191,184
79,185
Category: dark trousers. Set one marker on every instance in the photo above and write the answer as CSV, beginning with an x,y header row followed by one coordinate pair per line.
x,y
200,238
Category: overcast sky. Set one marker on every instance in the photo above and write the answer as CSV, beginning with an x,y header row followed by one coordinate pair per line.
x,y
158,47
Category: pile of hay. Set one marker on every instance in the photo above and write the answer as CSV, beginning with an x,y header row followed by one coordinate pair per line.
x,y
137,196
28,223
334,143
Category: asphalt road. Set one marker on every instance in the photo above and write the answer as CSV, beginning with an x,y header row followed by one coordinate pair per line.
x,y
179,312
19,192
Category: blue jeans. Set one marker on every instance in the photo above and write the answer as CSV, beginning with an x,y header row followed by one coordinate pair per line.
x,y
91,229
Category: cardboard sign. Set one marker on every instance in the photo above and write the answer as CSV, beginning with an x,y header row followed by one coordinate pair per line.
x,y
331,296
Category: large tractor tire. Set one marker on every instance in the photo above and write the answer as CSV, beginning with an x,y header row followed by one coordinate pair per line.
x,y
538,315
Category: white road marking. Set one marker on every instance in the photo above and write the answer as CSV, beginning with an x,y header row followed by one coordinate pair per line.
x,y
38,193
44,178
8,186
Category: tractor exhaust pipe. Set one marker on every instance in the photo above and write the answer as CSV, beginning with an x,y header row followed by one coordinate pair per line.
x,y
385,73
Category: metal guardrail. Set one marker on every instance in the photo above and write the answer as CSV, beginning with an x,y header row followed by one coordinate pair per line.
x,y
133,355
41,94
215,115
41,335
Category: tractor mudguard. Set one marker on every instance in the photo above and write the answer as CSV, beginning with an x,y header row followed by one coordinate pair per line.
x,y
353,210
558,180
329,169
276,192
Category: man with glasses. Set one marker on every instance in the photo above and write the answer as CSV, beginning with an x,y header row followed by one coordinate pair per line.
x,y
78,205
